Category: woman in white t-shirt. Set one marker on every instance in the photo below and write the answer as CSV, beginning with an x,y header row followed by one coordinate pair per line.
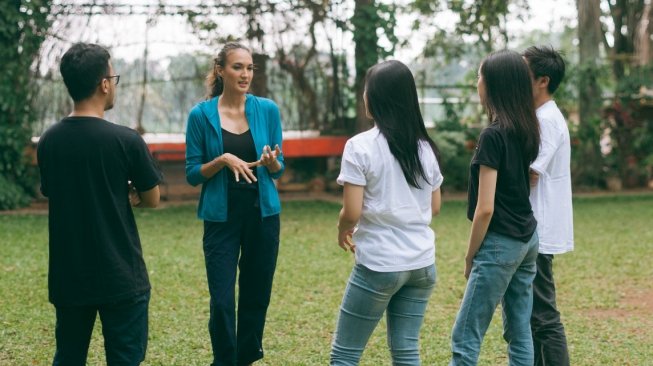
x,y
391,184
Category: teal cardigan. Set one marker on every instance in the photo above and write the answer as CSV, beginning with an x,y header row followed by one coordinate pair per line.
x,y
204,143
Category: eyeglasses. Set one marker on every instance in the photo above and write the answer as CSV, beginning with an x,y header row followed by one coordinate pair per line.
x,y
113,76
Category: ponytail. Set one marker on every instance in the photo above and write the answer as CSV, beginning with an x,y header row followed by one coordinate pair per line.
x,y
214,83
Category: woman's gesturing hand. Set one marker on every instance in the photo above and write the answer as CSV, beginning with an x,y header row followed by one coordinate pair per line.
x,y
269,157
239,167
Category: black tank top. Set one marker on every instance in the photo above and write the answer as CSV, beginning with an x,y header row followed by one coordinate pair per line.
x,y
243,147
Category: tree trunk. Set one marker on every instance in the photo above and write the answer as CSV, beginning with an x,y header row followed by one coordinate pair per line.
x,y
260,80
308,113
336,105
589,39
366,54
643,33
587,166
141,106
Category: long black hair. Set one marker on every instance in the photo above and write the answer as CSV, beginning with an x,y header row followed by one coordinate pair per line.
x,y
508,98
392,102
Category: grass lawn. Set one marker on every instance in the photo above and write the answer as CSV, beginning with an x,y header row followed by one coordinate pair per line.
x,y
605,288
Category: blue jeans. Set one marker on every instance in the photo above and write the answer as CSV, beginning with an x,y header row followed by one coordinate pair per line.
x,y
124,327
502,270
368,294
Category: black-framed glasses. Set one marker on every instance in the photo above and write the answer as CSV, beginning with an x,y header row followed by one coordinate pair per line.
x,y
117,77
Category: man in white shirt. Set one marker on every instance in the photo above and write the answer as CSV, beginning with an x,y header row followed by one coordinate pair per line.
x,y
551,201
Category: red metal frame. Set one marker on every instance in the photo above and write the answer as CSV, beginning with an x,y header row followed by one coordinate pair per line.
x,y
323,146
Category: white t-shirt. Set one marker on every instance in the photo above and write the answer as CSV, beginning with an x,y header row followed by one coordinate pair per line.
x,y
393,233
551,197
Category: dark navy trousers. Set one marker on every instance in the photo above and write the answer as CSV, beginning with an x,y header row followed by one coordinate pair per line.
x,y
549,339
124,327
245,246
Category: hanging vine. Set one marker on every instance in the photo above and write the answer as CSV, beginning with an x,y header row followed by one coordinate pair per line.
x,y
22,32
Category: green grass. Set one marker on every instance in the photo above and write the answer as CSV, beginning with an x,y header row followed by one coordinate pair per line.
x,y
598,288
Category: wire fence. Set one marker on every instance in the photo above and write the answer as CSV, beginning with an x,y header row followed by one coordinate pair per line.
x,y
156,92
168,100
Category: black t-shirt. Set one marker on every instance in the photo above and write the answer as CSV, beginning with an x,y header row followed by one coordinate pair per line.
x,y
95,251
242,146
500,150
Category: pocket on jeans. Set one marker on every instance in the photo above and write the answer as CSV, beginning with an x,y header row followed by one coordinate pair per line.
x,y
378,281
505,250
430,275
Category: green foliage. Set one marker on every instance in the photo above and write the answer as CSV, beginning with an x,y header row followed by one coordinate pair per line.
x,y
425,7
371,19
364,23
587,163
480,18
626,121
454,158
629,120
11,195
483,21
368,19
212,31
456,142
21,34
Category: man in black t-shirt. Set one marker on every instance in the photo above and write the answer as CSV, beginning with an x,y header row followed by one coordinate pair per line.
x,y
93,172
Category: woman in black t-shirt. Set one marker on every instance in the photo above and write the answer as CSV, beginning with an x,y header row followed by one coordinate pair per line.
x,y
500,260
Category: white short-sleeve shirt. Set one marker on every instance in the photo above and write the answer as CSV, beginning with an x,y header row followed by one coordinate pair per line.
x,y
393,233
551,197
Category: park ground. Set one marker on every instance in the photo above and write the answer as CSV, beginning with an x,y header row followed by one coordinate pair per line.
x,y
604,287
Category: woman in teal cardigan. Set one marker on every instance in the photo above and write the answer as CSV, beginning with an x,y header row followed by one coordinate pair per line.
x,y
229,150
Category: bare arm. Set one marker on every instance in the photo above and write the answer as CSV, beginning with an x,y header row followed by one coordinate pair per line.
x,y
436,202
149,198
533,176
352,207
487,183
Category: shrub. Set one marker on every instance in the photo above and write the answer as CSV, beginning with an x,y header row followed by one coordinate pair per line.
x,y
12,195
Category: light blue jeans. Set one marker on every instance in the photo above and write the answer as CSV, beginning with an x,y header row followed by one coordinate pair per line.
x,y
368,294
502,270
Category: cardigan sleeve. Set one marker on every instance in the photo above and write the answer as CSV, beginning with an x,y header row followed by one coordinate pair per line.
x,y
194,147
276,138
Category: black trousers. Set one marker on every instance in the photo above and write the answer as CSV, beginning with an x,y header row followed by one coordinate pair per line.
x,y
549,340
249,244
124,327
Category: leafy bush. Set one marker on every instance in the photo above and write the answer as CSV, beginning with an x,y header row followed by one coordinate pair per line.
x,y
456,141
12,195
21,33
588,169
454,158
